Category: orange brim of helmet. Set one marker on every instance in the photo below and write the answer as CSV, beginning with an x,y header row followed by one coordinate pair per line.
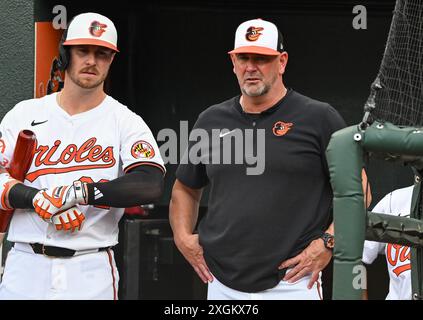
x,y
94,42
256,50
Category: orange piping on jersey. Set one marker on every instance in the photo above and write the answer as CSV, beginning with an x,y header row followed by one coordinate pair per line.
x,y
134,165
113,274
35,174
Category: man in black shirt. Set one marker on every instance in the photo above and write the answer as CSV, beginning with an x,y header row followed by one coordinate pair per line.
x,y
268,215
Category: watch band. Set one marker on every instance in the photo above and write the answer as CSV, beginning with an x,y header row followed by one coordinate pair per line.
x,y
328,240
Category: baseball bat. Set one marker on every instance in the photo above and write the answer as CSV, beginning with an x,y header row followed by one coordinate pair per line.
x,y
19,165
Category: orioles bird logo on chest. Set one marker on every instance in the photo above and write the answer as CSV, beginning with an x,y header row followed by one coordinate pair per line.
x,y
88,156
280,128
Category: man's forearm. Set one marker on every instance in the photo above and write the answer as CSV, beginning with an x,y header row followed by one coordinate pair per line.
x,y
183,211
141,186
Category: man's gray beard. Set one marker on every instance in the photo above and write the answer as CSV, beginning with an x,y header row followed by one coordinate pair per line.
x,y
261,91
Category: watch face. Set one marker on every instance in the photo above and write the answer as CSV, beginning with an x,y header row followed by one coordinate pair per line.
x,y
330,243
329,240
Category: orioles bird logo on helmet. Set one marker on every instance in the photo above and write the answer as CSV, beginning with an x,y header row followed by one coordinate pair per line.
x,y
280,128
253,33
97,28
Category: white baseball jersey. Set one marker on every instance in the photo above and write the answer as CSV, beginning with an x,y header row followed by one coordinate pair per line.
x,y
398,202
94,146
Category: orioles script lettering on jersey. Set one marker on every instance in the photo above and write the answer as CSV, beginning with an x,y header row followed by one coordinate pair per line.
x,y
396,255
88,152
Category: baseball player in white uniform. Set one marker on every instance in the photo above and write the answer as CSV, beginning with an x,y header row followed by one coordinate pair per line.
x,y
397,202
93,158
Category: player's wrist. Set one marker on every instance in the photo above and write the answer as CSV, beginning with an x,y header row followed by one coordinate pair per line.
x,y
6,183
21,196
80,190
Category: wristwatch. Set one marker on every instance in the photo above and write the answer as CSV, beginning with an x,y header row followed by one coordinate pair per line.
x,y
328,240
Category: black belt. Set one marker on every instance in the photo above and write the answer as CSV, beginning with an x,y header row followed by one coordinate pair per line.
x,y
59,252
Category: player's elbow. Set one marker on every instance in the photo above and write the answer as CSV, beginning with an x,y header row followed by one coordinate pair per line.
x,y
155,191
151,192
147,185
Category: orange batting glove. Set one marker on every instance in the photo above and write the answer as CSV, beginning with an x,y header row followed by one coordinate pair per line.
x,y
70,219
48,202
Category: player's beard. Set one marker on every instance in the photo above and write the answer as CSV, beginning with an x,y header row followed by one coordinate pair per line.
x,y
259,89
87,84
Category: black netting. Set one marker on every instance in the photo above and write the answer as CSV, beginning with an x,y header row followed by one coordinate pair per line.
x,y
400,99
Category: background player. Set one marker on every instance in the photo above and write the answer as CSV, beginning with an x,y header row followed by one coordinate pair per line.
x,y
397,202
94,157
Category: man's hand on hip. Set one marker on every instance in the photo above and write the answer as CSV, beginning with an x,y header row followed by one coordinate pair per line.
x,y
49,202
312,259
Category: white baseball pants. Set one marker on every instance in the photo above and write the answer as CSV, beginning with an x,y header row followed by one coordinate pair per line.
x,y
283,291
28,276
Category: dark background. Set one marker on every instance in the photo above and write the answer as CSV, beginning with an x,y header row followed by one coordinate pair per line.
x,y
173,64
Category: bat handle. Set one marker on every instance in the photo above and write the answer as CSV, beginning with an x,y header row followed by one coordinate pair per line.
x,y
6,216
19,166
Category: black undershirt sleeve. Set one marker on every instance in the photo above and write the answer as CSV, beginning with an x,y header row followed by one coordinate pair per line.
x,y
141,185
20,196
